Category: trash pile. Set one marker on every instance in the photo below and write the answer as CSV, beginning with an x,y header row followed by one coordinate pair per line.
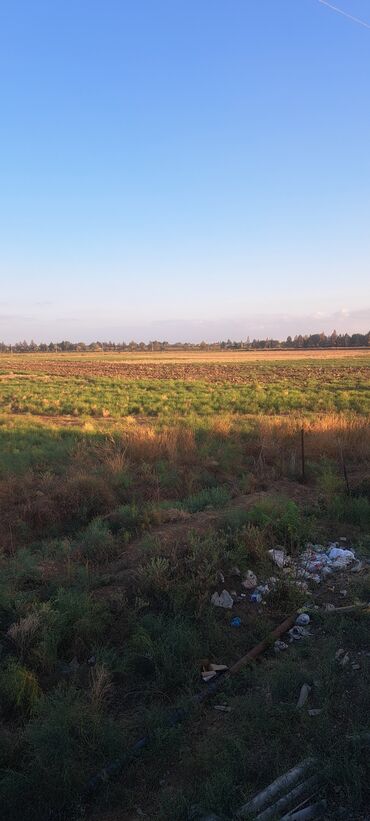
x,y
316,563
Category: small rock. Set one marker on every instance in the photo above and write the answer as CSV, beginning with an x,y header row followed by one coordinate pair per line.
x,y
344,593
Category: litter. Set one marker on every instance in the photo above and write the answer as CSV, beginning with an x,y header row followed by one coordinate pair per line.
x,y
222,708
341,554
279,557
222,600
280,646
298,632
236,622
218,668
303,619
357,567
208,674
314,712
303,696
256,597
259,593
250,580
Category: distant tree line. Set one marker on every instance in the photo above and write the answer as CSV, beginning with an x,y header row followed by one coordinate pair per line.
x,y
308,341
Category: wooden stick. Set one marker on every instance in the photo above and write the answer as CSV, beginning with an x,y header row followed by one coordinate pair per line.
x,y
303,456
263,645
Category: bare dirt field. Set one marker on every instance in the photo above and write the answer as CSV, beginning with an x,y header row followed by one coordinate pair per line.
x,y
239,367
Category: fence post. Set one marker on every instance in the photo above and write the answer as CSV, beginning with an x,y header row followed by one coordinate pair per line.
x,y
303,456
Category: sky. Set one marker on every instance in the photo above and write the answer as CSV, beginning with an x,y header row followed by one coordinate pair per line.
x,y
183,169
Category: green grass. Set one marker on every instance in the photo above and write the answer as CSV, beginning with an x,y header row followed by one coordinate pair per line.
x,y
168,398
106,621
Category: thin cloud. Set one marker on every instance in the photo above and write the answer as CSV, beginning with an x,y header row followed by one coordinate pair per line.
x,y
345,14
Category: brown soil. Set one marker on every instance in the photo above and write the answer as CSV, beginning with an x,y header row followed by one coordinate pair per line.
x,y
237,371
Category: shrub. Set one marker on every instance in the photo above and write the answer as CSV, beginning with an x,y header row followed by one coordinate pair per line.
x,y
66,742
19,687
96,542
70,623
208,497
351,509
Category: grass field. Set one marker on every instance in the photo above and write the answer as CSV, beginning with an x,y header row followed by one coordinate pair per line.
x,y
130,488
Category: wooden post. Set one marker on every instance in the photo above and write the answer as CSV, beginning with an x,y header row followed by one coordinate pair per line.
x,y
345,474
303,456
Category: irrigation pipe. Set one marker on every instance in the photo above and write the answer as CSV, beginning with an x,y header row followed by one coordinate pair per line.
x,y
278,786
308,814
290,799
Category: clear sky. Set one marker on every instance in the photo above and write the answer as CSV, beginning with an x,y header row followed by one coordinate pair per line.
x,y
193,166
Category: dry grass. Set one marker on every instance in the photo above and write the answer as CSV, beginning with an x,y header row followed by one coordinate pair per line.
x,y
23,633
100,685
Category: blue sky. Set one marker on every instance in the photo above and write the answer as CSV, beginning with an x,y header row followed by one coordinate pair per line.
x,y
183,168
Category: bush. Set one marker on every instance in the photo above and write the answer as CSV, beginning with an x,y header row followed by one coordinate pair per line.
x,y
351,509
66,742
70,623
208,497
96,542
19,687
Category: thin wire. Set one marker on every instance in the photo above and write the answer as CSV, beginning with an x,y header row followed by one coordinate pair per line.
x,y
345,14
